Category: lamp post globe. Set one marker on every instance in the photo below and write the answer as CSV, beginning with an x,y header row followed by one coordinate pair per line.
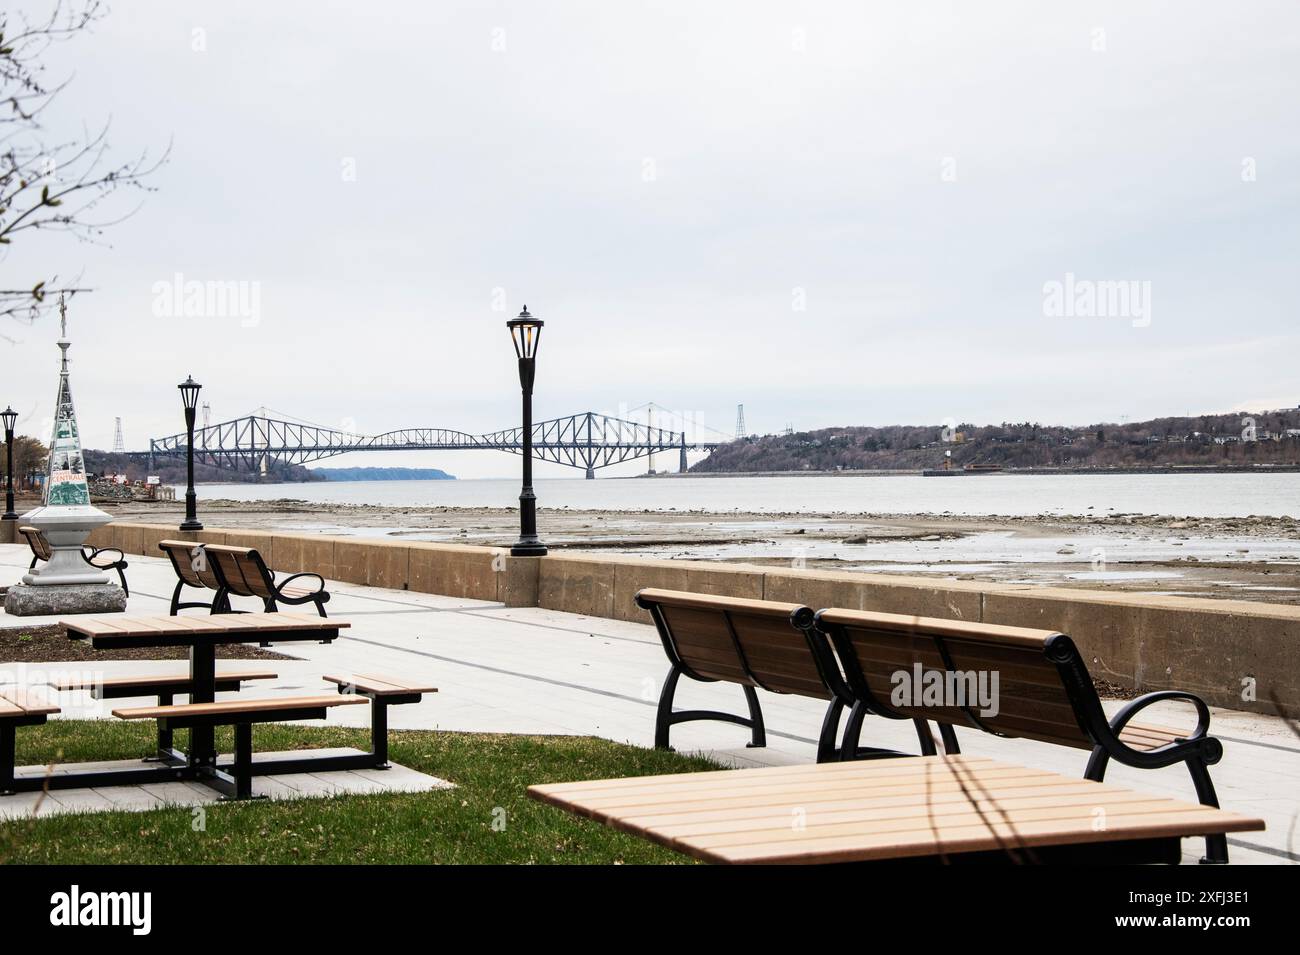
x,y
526,332
9,418
189,389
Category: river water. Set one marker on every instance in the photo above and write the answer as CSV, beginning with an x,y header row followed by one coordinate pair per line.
x,y
1176,495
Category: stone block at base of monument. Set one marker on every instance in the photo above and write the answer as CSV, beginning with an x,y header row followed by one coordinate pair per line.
x,y
25,600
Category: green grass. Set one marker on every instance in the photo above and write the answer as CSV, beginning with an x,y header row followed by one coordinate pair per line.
x,y
491,773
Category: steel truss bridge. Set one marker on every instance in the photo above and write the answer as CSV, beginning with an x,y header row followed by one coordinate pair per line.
x,y
587,440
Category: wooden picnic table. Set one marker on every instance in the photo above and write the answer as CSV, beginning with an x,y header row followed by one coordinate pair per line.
x,y
202,635
935,808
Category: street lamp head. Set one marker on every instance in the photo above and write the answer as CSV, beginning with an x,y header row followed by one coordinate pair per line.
x,y
189,392
10,418
526,331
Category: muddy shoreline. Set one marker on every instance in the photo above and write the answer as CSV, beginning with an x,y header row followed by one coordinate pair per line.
x,y
1250,558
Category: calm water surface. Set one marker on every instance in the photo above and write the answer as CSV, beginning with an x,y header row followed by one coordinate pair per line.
x,y
1199,495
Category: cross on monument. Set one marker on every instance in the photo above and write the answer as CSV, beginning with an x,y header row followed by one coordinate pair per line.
x,y
63,316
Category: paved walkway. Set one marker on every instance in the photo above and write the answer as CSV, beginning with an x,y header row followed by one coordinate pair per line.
x,y
538,671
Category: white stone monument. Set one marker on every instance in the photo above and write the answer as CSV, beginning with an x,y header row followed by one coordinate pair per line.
x,y
66,583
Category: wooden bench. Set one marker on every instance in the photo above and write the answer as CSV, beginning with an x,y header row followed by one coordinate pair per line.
x,y
193,570
18,707
382,692
165,687
101,558
751,643
242,573
1044,693
936,809
241,714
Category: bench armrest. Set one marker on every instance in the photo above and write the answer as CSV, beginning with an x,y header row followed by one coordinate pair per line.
x,y
97,551
1173,752
320,581
1133,707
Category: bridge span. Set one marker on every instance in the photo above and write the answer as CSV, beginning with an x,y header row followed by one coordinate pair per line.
x,y
587,440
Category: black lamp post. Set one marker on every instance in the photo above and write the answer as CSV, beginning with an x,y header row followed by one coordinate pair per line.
x,y
190,396
526,332
10,418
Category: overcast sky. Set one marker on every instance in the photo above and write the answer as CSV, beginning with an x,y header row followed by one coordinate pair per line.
x,y
835,213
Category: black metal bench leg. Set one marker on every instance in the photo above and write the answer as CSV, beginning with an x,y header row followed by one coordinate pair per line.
x,y
826,746
949,737
664,715
164,730
925,737
379,731
320,607
242,770
852,732
176,599
1216,845
7,756
122,577
758,732
1097,763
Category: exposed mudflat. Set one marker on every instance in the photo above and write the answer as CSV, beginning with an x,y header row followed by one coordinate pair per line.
x,y
1245,558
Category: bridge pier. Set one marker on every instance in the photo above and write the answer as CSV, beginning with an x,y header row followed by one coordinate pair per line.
x,y
591,474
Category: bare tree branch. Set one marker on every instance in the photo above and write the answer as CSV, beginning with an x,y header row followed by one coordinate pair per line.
x,y
53,187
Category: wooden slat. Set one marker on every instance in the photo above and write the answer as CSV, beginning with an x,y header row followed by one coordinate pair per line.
x,y
680,598
1145,736
252,623
905,623
27,701
143,681
380,685
892,808
228,707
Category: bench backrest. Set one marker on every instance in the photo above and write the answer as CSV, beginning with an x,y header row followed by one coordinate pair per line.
x,y
1043,689
37,542
242,571
759,643
195,570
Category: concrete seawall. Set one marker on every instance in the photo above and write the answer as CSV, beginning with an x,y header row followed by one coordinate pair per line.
x,y
1237,654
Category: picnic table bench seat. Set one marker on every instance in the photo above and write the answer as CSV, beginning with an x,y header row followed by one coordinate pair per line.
x,y
1044,693
19,706
241,714
383,691
165,687
101,558
167,684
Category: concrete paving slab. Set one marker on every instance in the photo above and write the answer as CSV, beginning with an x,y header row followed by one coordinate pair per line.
x,y
161,795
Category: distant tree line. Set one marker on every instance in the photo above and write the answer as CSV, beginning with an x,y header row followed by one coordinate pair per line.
x,y
1236,439
172,470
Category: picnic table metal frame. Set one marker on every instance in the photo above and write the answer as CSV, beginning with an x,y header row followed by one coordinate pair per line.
x,y
200,764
